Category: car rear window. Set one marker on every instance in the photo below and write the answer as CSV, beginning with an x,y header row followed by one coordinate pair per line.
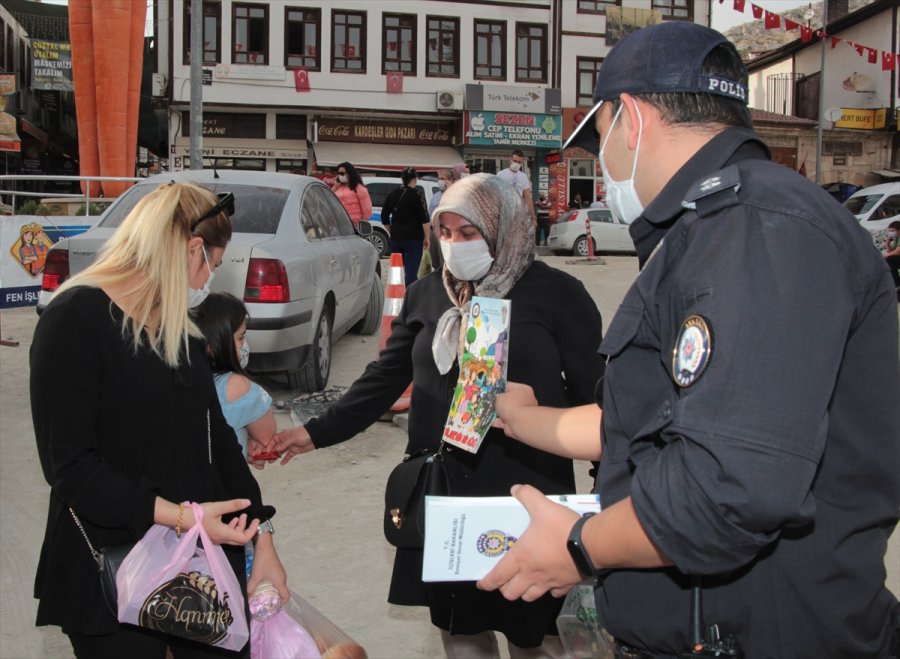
x,y
256,209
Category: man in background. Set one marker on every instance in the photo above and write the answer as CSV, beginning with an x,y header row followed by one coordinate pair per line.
x,y
514,175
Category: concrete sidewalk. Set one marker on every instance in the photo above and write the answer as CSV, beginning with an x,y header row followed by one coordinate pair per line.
x,y
330,502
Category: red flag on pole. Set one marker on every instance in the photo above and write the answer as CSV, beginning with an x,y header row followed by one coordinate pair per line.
x,y
888,61
757,11
301,79
772,20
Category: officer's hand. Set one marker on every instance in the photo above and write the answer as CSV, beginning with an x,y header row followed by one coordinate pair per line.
x,y
516,397
539,561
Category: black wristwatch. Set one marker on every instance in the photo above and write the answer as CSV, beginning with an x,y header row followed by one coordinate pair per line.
x,y
577,551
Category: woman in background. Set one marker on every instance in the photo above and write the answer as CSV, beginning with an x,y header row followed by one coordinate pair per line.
x,y
351,192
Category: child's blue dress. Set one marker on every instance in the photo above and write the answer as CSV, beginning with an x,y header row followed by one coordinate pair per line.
x,y
243,411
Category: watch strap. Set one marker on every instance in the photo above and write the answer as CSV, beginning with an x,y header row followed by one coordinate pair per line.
x,y
580,556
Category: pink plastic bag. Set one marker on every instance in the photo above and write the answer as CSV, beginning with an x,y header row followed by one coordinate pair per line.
x,y
280,637
172,586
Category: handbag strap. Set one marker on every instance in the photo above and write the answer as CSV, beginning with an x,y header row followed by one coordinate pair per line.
x,y
93,551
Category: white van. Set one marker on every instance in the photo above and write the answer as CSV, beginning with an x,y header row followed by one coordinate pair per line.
x,y
379,188
877,206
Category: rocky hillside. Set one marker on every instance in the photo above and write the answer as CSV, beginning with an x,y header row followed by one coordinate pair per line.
x,y
752,38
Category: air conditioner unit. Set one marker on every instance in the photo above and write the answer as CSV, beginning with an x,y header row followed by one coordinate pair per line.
x,y
158,86
449,100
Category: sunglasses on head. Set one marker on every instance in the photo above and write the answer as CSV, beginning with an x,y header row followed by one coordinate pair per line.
x,y
225,203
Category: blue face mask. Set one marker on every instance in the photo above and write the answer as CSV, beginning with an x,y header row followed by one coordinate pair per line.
x,y
892,234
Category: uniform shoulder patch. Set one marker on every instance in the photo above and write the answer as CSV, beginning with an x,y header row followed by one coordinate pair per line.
x,y
692,351
714,191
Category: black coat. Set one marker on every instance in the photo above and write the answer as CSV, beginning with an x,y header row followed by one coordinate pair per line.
x,y
555,330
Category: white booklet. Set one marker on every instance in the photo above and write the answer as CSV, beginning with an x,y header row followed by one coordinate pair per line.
x,y
465,537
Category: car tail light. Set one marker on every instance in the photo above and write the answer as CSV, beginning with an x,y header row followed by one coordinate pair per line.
x,y
267,282
56,269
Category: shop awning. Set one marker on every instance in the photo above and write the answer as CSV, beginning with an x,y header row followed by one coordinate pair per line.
x,y
385,157
889,174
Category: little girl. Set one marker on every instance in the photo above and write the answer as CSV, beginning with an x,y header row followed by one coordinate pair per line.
x,y
247,407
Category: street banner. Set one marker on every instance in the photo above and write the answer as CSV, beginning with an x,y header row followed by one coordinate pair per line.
x,y
51,65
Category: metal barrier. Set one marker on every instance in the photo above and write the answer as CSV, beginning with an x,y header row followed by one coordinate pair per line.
x,y
86,195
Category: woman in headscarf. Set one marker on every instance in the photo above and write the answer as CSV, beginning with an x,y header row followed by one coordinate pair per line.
x,y
487,238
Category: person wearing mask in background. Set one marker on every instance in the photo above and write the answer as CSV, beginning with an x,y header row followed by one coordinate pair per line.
x,y
446,178
404,210
128,424
353,195
543,219
750,446
487,238
514,175
892,254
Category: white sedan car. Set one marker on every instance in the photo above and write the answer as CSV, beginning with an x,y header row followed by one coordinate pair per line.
x,y
569,232
294,258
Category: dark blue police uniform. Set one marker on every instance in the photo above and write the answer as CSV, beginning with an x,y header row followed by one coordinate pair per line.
x,y
749,410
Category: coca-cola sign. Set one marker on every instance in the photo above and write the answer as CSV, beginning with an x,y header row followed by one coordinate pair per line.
x,y
433,133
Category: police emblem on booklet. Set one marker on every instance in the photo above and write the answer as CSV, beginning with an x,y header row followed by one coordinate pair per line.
x,y
495,543
692,351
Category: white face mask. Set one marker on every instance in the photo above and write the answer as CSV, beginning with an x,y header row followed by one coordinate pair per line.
x,y
195,296
342,178
244,354
621,197
467,261
442,185
515,166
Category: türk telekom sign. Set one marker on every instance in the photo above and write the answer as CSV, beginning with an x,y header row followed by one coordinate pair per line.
x,y
506,98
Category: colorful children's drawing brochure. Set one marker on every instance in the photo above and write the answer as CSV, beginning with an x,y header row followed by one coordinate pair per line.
x,y
465,537
482,373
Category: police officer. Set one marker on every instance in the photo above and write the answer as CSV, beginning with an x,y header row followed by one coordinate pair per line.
x,y
750,442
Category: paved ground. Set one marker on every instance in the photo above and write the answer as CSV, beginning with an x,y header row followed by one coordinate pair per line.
x,y
330,502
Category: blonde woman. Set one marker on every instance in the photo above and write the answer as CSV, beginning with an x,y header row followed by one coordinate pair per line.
x,y
127,420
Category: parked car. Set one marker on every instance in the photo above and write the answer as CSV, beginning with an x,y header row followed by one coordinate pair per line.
x,y
876,206
379,188
569,232
294,258
840,190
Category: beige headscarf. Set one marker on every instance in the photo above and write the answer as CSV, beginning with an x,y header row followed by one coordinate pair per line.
x,y
494,207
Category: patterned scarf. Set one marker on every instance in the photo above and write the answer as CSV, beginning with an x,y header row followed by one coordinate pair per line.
x,y
495,208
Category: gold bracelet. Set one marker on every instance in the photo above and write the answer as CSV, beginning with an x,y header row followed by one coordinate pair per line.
x,y
178,524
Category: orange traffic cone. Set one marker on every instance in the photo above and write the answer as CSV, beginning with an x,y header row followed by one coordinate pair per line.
x,y
393,301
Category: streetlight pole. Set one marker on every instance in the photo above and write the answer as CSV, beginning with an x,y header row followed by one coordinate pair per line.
x,y
196,149
821,93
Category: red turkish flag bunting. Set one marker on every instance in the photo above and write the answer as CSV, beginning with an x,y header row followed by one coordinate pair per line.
x,y
873,55
888,60
301,79
805,34
859,48
394,83
757,11
739,5
790,25
835,41
772,20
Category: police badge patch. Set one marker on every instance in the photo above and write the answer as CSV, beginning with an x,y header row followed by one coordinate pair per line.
x,y
692,351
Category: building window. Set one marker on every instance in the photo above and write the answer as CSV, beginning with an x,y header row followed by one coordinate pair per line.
x,y
398,44
302,34
596,6
212,21
291,166
348,41
806,97
443,47
290,126
678,9
250,34
490,50
588,70
531,52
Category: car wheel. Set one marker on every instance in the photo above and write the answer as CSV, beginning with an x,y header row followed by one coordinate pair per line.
x,y
370,322
313,375
380,241
580,247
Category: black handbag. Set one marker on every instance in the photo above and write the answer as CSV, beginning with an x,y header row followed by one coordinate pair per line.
x,y
109,560
421,473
